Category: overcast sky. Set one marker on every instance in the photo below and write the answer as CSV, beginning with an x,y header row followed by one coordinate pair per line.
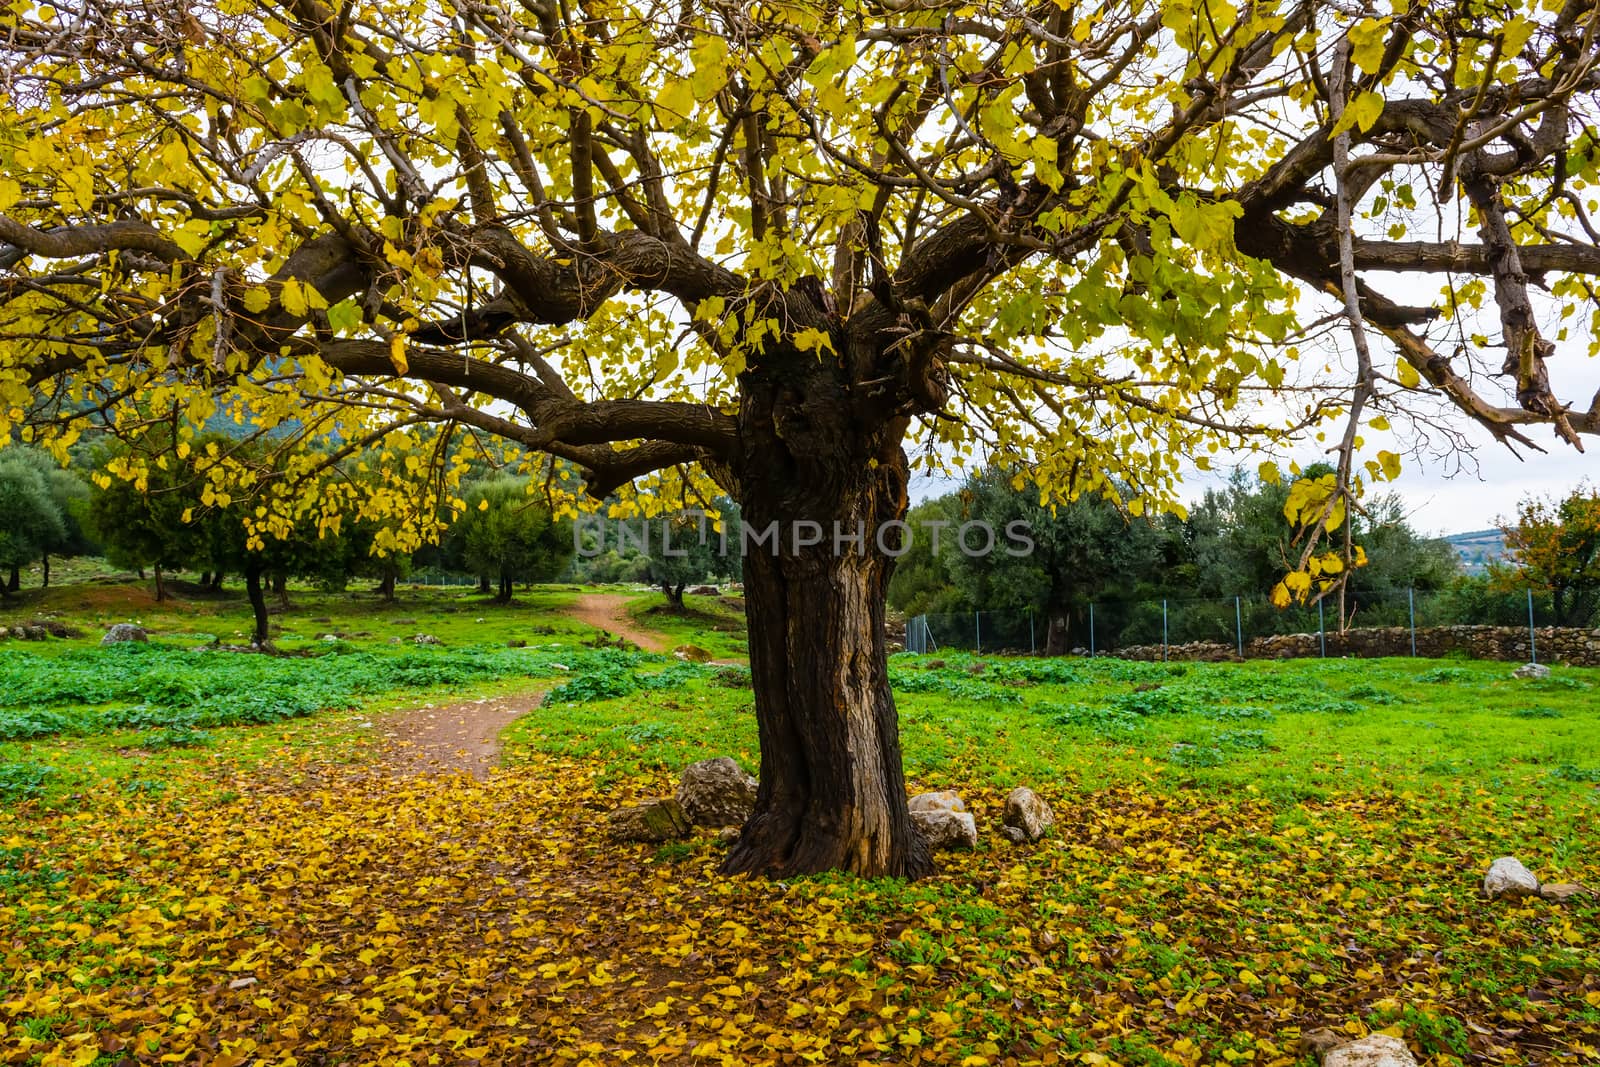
x,y
1442,495
1445,490
1439,498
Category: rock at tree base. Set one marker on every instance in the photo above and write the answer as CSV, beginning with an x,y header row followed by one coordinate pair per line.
x,y
944,829
692,654
716,792
1507,877
1027,812
1374,1050
655,820
704,590
1014,835
1561,892
1322,1041
944,800
124,631
1531,670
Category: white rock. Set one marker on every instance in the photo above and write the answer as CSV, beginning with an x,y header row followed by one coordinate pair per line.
x,y
1531,670
945,829
1374,1050
716,792
1508,877
944,800
1028,812
122,631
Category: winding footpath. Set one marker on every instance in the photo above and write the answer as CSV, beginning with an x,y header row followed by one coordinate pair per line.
x,y
464,738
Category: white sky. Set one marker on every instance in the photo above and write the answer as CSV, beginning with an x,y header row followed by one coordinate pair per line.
x,y
1440,497
1444,490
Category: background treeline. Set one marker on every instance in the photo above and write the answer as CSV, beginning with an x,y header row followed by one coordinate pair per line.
x,y
671,552
173,519
1233,543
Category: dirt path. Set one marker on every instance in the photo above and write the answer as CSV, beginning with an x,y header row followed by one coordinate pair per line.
x,y
465,737
452,738
609,612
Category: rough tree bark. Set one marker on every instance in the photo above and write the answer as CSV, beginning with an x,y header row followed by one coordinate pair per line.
x,y
832,792
674,595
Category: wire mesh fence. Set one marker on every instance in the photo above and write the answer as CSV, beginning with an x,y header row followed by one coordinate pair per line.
x,y
1110,626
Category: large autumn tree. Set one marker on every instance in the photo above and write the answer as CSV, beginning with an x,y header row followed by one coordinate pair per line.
x,y
776,246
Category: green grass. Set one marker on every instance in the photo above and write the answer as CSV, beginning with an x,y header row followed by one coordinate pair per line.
x,y
712,623
456,616
1230,834
1287,730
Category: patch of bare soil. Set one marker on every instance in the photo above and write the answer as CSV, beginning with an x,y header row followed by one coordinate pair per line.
x,y
459,738
609,612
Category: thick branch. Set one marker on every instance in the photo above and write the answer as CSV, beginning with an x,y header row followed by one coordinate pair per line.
x,y
67,242
556,419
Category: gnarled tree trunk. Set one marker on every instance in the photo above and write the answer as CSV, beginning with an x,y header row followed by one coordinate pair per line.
x,y
832,792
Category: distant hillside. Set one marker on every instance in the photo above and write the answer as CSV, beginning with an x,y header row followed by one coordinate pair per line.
x,y
1477,549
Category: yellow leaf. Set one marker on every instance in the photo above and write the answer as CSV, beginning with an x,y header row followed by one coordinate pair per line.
x,y
675,102
293,297
397,355
1408,375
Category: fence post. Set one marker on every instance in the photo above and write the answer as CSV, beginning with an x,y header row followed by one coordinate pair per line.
x,y
1533,650
1238,625
977,631
1163,631
1322,630
1411,600
1032,645
1091,629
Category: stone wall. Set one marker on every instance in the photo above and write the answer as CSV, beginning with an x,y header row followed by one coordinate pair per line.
x,y
1554,645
